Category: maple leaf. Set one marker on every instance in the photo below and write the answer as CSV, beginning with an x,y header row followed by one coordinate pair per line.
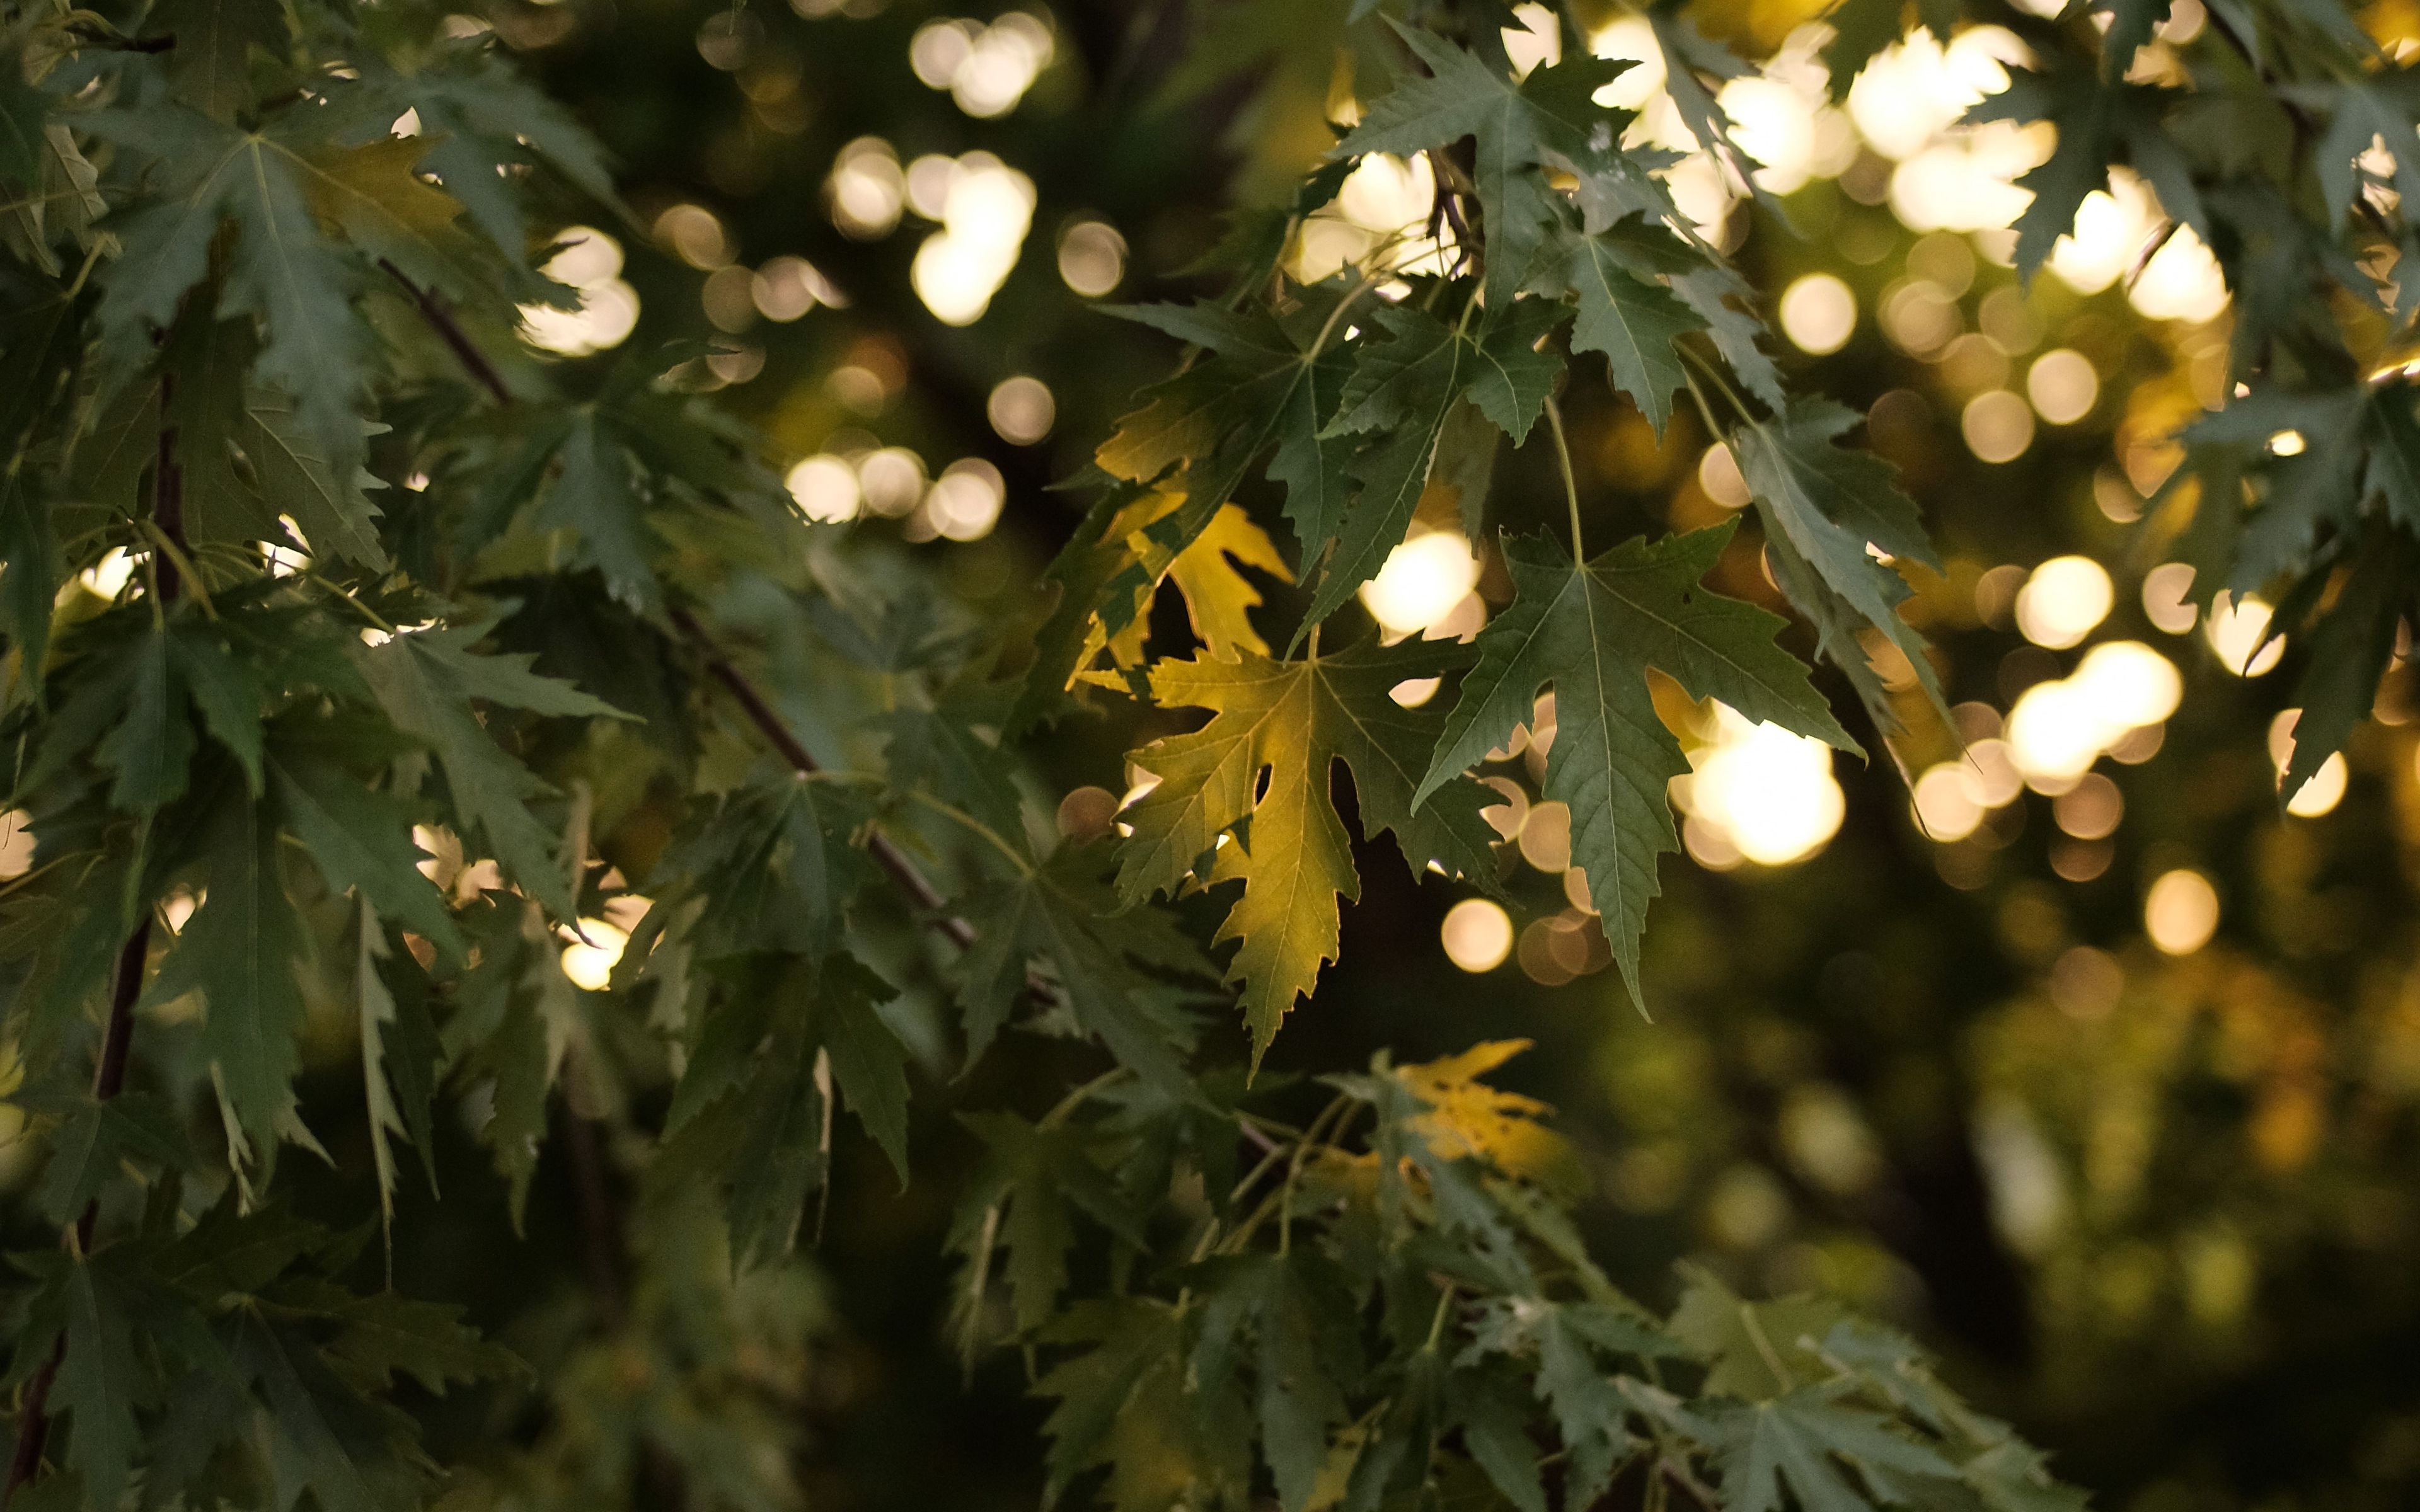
x,y
1547,119
1824,506
1121,1402
1219,598
1407,387
752,1116
1468,1118
2315,491
1201,433
1633,319
2350,645
239,950
482,124
1796,1440
281,270
372,195
1296,1308
210,66
1688,52
1292,720
29,545
427,681
2100,123
397,1065
775,863
1105,959
95,1137
91,1303
1036,1177
1591,630
2359,109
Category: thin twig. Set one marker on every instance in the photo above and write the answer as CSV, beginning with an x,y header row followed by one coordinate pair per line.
x,y
777,733
761,714
466,351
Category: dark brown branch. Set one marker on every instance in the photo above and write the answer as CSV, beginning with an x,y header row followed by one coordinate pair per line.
x,y
768,722
777,733
599,1224
466,351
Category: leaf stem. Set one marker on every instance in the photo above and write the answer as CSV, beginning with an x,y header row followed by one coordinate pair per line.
x,y
950,810
1691,355
1436,1324
1068,1104
377,622
1570,483
1327,327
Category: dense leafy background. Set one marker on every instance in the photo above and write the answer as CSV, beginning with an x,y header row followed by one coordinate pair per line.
x,y
2150,1208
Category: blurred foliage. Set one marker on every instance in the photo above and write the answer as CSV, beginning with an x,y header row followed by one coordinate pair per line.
x,y
2151,1208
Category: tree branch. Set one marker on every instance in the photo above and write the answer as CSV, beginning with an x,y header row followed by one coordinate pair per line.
x,y
768,722
108,1080
466,351
777,733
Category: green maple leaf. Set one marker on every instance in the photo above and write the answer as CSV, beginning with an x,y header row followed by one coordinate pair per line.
x,y
2314,493
595,492
482,124
1292,720
29,547
150,749
777,867
1796,1440
1120,1403
940,751
1036,1177
1108,960
1297,1310
282,272
1587,1407
23,110
95,1140
1406,388
210,66
1860,29
299,478
1823,506
320,1433
1592,632
103,1380
361,840
241,951
1687,51
375,1008
386,1335
2350,645
1717,294
1633,320
1546,120
2360,108
427,681
373,195
751,1115
2100,123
